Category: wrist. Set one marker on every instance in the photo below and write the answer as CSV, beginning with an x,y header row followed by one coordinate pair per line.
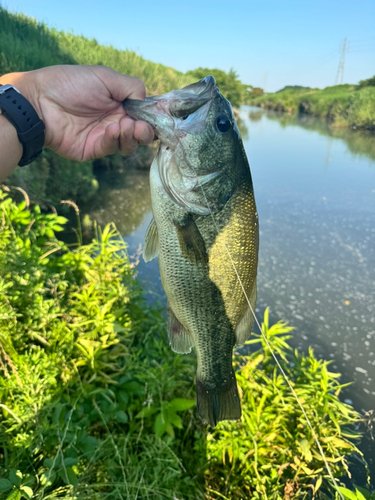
x,y
27,84
18,105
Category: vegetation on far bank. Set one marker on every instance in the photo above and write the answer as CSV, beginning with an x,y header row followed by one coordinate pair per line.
x,y
341,105
95,404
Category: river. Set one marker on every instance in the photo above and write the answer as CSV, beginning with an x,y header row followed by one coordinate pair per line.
x,y
315,192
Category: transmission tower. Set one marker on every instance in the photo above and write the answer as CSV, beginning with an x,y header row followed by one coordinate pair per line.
x,y
340,70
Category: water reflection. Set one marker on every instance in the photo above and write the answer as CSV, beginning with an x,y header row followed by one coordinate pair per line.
x,y
255,116
123,198
358,142
242,127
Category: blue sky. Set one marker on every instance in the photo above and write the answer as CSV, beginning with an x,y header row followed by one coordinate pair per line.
x,y
270,43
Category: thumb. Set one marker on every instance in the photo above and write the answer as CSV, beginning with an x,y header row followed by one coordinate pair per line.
x,y
120,86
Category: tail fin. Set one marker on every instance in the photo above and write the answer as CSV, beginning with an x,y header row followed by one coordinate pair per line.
x,y
221,403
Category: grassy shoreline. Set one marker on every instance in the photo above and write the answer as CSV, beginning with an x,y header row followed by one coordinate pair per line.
x,y
341,105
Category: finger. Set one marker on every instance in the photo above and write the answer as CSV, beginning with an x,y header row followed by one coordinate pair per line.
x,y
120,86
110,141
143,133
128,143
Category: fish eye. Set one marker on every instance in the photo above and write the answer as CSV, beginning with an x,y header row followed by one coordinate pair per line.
x,y
223,123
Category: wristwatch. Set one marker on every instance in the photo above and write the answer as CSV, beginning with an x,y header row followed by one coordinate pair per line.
x,y
30,128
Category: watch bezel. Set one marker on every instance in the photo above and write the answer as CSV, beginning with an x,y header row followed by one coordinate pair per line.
x,y
4,88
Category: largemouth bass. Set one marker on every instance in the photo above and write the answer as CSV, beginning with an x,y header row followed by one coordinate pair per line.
x,y
205,232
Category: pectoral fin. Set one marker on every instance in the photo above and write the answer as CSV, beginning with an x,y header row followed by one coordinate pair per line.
x,y
245,326
150,250
191,242
179,338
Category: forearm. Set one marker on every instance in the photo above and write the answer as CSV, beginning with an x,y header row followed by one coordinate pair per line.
x,y
10,148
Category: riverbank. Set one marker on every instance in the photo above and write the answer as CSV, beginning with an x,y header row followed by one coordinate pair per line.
x,y
341,105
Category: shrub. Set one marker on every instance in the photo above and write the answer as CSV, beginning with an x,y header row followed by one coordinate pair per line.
x,y
370,82
256,92
361,109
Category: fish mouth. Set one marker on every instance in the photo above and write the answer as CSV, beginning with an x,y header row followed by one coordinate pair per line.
x,y
163,112
192,97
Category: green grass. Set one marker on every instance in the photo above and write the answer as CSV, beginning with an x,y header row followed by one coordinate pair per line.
x,y
27,44
94,404
341,105
81,356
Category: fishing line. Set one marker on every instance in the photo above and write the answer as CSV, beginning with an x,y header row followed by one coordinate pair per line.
x,y
274,356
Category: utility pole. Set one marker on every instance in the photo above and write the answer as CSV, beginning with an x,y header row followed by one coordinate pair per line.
x,y
340,70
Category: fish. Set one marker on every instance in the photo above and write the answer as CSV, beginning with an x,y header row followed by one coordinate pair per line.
x,y
205,233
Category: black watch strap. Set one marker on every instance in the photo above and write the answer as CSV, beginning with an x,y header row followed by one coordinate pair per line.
x,y
30,128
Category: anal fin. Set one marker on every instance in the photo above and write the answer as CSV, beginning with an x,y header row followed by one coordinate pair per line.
x,y
179,338
245,326
150,250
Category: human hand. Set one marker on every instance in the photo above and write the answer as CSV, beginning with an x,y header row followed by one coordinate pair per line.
x,y
81,107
